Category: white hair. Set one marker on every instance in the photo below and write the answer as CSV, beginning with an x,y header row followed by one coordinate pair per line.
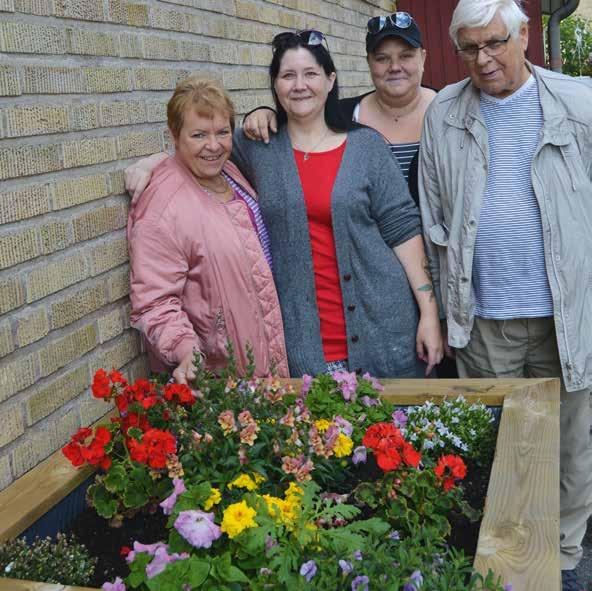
x,y
479,13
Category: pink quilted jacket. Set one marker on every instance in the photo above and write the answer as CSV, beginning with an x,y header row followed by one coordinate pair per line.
x,y
199,276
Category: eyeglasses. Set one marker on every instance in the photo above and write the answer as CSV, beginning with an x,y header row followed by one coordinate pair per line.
x,y
400,20
309,37
495,47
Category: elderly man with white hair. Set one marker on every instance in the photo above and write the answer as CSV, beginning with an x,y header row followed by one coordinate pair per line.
x,y
506,201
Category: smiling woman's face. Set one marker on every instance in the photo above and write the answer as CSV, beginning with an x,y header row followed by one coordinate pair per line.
x,y
204,143
396,67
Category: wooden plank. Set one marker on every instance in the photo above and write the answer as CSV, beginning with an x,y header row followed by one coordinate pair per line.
x,y
37,491
519,536
20,585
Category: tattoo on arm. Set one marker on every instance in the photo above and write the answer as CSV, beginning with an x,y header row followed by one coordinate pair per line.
x,y
427,287
426,267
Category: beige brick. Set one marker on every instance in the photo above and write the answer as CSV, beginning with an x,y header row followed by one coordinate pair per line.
x,y
52,80
224,53
5,472
84,42
65,427
33,448
116,182
116,113
169,20
24,203
83,116
91,409
99,221
40,7
89,10
12,294
236,79
12,423
110,326
213,27
17,247
53,394
6,5
160,48
100,80
126,311
17,375
194,52
54,235
51,277
9,81
35,120
156,112
116,11
156,78
64,350
6,340
121,351
137,15
31,327
139,144
80,190
28,160
31,38
90,151
118,284
130,45
108,255
139,368
73,306
261,55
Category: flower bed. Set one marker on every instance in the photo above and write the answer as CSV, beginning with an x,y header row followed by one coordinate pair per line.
x,y
307,535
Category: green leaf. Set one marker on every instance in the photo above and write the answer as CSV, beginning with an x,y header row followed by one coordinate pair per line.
x,y
115,479
105,504
236,575
177,543
134,495
138,569
135,433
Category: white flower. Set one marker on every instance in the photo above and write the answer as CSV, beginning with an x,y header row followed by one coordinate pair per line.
x,y
8,567
428,444
455,420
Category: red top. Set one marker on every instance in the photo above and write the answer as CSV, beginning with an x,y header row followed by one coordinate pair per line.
x,y
317,176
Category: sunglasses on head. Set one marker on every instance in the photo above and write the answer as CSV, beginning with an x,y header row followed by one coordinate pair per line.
x,y
309,37
400,20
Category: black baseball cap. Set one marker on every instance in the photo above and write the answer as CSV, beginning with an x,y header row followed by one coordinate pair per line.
x,y
400,25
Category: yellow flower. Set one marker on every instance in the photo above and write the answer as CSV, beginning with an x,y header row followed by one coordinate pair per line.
x,y
343,446
258,478
243,481
214,498
322,425
238,517
294,493
274,505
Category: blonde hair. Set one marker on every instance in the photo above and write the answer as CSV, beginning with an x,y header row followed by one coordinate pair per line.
x,y
205,95
479,13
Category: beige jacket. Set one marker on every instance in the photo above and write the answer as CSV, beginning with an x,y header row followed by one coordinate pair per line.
x,y
452,179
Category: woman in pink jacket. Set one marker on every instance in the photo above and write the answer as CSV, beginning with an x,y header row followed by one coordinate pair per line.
x,y
200,259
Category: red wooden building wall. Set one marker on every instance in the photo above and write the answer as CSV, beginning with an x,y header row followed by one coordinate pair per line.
x,y
442,65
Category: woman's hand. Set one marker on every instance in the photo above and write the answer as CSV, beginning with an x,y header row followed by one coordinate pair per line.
x,y
137,176
186,370
258,123
429,343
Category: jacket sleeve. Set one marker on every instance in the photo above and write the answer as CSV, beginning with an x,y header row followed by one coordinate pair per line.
x,y
158,274
391,205
242,149
431,208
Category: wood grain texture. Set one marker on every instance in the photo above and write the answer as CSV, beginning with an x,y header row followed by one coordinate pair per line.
x,y
519,536
36,492
19,585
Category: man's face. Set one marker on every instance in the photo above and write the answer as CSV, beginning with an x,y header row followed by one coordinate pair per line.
x,y
502,74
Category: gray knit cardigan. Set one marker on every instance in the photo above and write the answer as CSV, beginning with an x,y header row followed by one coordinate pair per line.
x,y
372,212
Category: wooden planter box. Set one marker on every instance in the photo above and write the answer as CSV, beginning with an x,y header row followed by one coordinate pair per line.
x,y
519,535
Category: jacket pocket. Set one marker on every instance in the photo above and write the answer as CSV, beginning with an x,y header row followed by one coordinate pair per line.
x,y
217,339
439,235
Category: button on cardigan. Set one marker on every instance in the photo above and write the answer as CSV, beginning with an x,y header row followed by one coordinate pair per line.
x,y
372,212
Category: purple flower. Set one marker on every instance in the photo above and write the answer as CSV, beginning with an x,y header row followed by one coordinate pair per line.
x,y
308,570
198,528
161,559
147,548
346,567
168,504
306,384
117,585
358,555
348,384
360,583
375,383
344,425
367,401
399,418
415,581
360,455
507,587
395,535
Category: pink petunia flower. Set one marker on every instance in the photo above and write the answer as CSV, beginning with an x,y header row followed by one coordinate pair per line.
x,y
168,504
198,528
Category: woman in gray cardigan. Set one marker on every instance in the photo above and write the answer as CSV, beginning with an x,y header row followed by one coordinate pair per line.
x,y
387,321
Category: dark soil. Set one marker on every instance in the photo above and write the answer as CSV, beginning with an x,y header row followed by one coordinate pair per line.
x,y
106,542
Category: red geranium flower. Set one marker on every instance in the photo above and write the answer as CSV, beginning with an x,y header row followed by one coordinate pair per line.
x,y
389,447
154,448
449,469
93,453
180,392
101,386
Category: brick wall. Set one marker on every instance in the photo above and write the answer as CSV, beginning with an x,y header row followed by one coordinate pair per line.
x,y
83,90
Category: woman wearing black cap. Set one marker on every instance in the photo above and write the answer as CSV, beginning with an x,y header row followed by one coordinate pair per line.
x,y
397,105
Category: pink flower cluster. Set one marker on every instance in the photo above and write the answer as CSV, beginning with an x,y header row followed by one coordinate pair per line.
x,y
300,466
160,554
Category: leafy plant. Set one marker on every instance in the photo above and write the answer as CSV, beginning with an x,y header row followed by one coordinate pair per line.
x,y
576,45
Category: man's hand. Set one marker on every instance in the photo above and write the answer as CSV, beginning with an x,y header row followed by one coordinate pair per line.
x,y
185,371
137,176
258,124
